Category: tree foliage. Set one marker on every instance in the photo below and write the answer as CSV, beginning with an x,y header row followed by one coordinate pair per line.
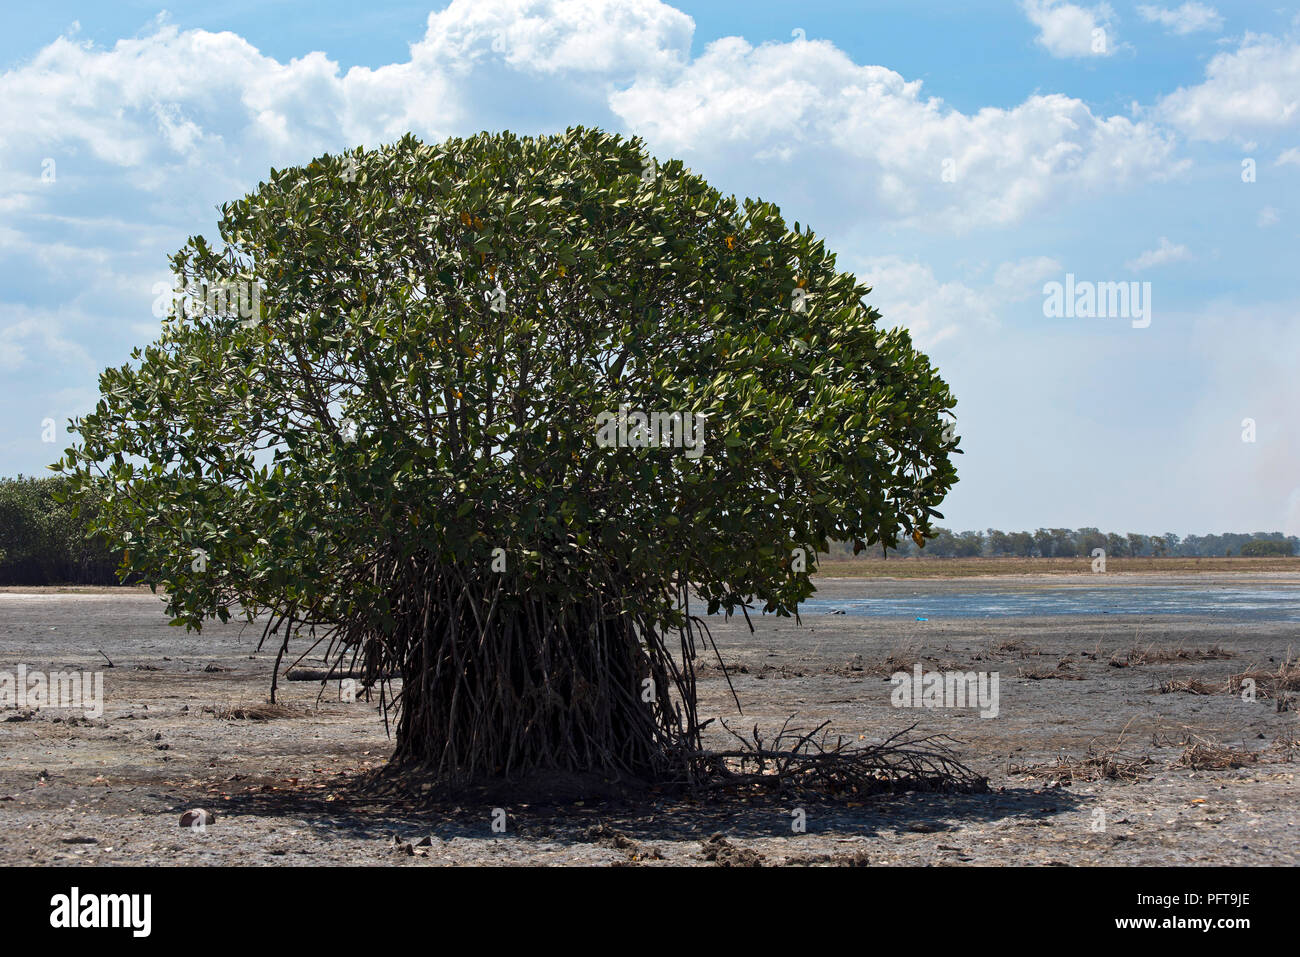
x,y
42,541
1263,547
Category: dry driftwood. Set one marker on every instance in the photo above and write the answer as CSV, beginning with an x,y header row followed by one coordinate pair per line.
x,y
809,761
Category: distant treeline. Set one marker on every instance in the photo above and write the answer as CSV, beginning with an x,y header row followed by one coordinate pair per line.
x,y
1080,542
41,543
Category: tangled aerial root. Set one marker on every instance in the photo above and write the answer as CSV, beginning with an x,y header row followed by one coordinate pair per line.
x,y
490,677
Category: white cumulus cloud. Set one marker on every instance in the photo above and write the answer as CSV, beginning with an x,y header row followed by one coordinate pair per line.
x,y
1247,92
1189,18
1068,30
790,114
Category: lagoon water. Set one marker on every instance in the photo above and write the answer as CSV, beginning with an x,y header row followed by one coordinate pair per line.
x,y
1265,602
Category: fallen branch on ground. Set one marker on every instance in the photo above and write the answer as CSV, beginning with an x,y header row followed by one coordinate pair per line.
x,y
802,761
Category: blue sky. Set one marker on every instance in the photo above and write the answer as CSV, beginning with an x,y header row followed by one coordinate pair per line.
x,y
957,156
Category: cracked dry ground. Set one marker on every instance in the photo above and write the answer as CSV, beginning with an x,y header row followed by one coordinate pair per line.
x,y
111,790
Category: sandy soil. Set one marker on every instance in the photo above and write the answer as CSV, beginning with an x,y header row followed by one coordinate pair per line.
x,y
112,790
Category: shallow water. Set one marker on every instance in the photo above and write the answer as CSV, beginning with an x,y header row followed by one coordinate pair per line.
x,y
1243,603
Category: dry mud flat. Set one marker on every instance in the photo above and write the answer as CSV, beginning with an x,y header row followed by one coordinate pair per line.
x,y
111,790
